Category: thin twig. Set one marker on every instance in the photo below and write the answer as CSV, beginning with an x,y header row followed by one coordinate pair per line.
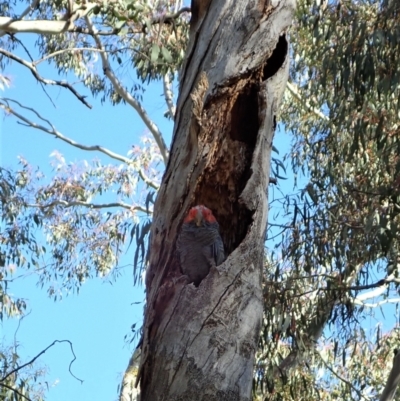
x,y
333,371
74,49
46,81
92,49
31,58
70,141
39,355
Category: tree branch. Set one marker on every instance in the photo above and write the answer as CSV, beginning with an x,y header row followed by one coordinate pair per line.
x,y
333,371
30,8
393,380
15,391
11,25
35,73
323,309
92,205
359,299
127,96
59,135
379,303
169,95
294,90
74,49
168,18
39,355
50,27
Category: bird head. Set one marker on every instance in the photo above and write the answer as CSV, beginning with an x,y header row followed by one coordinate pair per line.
x,y
200,215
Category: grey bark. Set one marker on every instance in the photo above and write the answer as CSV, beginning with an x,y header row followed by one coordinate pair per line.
x,y
200,343
393,380
128,390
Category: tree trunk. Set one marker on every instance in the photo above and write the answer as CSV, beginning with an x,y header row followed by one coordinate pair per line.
x,y
199,342
393,380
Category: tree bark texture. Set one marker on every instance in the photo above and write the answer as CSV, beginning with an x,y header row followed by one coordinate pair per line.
x,y
199,343
393,380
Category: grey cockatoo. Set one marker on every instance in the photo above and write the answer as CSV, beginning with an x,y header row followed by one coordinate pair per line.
x,y
199,244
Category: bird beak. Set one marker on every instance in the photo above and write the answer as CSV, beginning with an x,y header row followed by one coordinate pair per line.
x,y
199,220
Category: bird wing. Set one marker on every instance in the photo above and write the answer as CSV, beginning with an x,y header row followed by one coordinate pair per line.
x,y
218,251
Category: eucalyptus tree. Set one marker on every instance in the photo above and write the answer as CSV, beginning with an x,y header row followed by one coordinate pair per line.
x,y
339,246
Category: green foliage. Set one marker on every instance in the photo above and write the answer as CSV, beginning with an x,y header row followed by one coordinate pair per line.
x,y
349,52
340,245
82,239
20,381
149,38
356,370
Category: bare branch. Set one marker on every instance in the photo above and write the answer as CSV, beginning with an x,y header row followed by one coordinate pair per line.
x,y
359,299
379,303
10,25
59,135
169,96
92,205
168,18
80,49
46,81
29,9
14,38
50,27
380,286
294,90
2,379
74,49
127,96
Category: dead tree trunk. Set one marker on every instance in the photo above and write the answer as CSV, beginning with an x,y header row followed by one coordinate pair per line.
x,y
199,342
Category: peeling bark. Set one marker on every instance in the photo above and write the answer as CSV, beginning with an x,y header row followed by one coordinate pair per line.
x,y
200,343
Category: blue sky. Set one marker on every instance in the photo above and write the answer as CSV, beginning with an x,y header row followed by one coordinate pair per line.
x,y
97,319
